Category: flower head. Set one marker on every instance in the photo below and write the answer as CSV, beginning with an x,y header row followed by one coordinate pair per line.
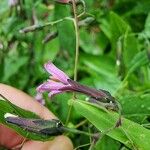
x,y
56,73
57,82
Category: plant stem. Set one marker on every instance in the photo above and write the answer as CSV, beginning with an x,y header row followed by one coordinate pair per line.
x,y
77,38
84,9
69,114
84,145
76,52
41,26
72,130
81,123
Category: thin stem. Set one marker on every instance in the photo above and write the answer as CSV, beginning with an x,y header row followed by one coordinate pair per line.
x,y
84,9
81,123
72,130
69,114
77,38
92,145
82,146
76,52
41,26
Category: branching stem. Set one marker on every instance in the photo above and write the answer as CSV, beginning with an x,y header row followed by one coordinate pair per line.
x,y
41,26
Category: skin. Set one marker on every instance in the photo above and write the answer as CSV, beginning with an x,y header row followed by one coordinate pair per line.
x,y
11,140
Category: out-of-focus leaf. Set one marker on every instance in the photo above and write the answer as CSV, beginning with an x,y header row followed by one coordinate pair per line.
x,y
51,50
115,28
142,7
119,28
105,26
129,133
41,10
88,42
103,72
4,9
65,29
138,60
147,26
12,66
130,47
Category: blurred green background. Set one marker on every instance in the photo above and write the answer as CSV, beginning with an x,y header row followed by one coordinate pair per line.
x,y
114,53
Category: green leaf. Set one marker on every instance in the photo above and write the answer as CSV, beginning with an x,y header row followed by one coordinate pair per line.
x,y
121,30
147,26
89,44
129,133
135,104
138,60
103,72
118,28
12,65
4,11
8,107
66,33
105,26
107,143
51,50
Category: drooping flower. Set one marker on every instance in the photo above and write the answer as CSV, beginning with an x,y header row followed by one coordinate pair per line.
x,y
59,82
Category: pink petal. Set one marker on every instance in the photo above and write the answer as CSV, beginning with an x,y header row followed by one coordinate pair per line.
x,y
54,92
39,88
39,98
57,73
51,85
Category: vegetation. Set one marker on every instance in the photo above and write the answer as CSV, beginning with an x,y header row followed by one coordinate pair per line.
x,y
104,44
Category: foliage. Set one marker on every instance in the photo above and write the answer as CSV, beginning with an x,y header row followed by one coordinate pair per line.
x,y
114,55
12,109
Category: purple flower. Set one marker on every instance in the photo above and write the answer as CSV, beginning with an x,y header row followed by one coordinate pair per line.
x,y
57,83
